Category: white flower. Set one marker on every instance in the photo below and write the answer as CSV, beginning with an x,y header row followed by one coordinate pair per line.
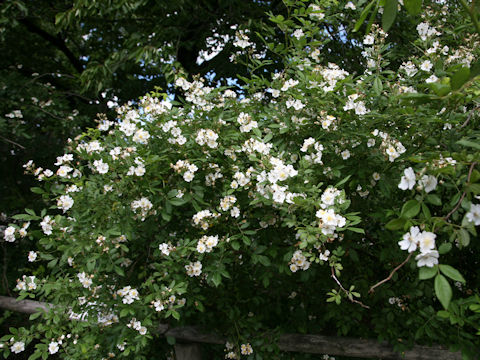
x,y
18,347
410,240
345,154
298,34
474,214
9,234
428,182
426,241
32,256
350,5
65,202
408,179
246,349
53,347
368,40
428,259
100,166
426,65
431,79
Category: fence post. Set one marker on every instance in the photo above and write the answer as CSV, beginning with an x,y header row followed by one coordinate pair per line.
x,y
188,351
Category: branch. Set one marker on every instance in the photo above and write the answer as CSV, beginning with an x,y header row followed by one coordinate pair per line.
x,y
13,142
56,41
349,297
391,274
464,193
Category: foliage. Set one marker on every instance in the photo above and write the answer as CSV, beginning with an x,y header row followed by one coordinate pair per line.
x,y
282,208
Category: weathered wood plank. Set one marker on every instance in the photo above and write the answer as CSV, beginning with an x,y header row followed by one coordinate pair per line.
x,y
312,344
188,351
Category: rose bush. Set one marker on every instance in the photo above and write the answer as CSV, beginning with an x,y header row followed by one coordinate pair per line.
x,y
279,208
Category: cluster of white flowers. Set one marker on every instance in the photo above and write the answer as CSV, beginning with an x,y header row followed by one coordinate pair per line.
x,y
144,205
253,145
299,262
246,122
65,202
409,68
26,283
241,39
473,215
165,248
141,136
227,202
201,218
137,325
207,243
241,179
85,280
15,114
425,240
314,157
9,234
91,147
408,181
246,349
211,177
139,169
185,166
194,269
329,196
280,171
128,294
208,137
358,106
295,103
392,148
329,221
425,31
100,166
332,74
47,225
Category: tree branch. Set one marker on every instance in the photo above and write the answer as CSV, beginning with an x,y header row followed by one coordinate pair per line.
x,y
347,292
391,274
56,41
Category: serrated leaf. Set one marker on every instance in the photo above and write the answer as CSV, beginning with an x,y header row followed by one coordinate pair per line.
x,y
443,291
389,14
464,237
452,273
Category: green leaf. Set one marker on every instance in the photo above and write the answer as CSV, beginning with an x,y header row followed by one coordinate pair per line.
x,y
363,15
265,261
395,224
414,7
469,143
452,273
464,237
170,340
119,271
377,86
443,291
356,230
427,273
443,314
434,199
444,248
460,77
389,14
410,209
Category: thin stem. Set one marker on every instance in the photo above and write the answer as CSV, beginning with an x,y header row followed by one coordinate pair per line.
x,y
347,292
13,142
391,274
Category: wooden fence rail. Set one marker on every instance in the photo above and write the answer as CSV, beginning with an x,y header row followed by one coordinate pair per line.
x,y
189,337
